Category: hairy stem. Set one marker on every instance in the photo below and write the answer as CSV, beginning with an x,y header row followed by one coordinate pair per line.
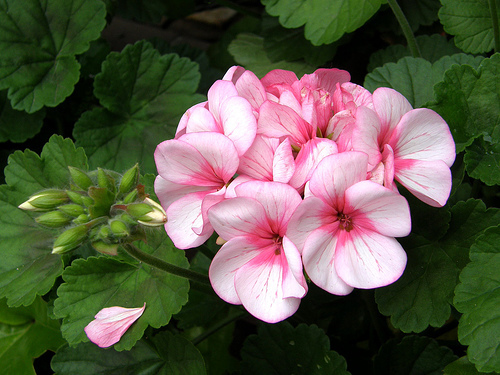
x,y
165,266
405,26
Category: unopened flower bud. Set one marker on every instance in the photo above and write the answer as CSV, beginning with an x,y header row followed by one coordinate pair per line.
x,y
154,218
75,197
131,197
80,178
129,180
139,209
119,228
45,200
71,209
105,248
53,219
81,219
70,239
104,180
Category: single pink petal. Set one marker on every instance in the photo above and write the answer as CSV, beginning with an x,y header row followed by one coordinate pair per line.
x,y
325,79
181,128
366,259
111,323
276,120
423,135
279,76
429,181
319,260
365,135
390,106
260,284
218,93
230,189
201,120
250,88
283,162
376,208
183,216
208,201
258,161
296,287
168,192
335,173
231,256
308,158
239,216
234,73
279,201
310,214
288,98
388,160
238,122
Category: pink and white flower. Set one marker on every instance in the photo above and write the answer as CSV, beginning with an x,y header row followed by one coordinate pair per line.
x,y
192,175
258,266
111,323
346,225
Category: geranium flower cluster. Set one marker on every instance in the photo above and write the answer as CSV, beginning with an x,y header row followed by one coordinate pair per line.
x,y
299,175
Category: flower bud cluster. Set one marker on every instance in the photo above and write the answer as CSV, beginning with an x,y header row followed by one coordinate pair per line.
x,y
101,206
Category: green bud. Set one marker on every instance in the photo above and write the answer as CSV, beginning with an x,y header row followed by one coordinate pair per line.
x,y
72,209
131,197
80,178
75,197
70,239
129,180
139,209
87,201
81,219
45,200
119,228
104,233
154,218
105,248
53,219
104,180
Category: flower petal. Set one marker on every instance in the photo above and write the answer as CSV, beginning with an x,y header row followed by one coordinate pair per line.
x,y
201,120
168,192
366,259
283,162
325,79
390,106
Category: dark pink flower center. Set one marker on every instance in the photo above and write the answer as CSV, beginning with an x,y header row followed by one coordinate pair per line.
x,y
278,243
345,222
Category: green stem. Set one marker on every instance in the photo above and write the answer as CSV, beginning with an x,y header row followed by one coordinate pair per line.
x,y
494,21
165,266
216,327
405,26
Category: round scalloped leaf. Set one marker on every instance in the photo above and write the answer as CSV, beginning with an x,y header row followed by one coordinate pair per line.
x,y
282,349
478,297
482,161
95,283
325,21
470,22
39,40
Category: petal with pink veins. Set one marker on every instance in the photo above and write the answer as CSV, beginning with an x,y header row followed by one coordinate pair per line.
x,y
181,128
283,162
201,120
319,258
279,76
365,133
250,88
258,161
168,192
325,79
218,93
366,259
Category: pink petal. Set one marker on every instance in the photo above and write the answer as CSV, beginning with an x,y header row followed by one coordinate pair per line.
x,y
234,73
423,135
208,201
366,259
260,284
296,286
239,216
201,120
319,260
429,181
365,135
335,173
168,192
238,122
283,162
325,79
390,106
250,88
232,256
279,76
181,128
183,216
111,323
218,94
258,161
308,158
378,209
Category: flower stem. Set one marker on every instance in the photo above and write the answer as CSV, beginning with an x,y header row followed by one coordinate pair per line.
x,y
494,21
219,325
165,266
405,27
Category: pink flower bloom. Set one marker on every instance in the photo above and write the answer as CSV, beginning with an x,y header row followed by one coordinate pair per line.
x,y
111,323
225,112
412,146
345,226
192,175
258,266
248,86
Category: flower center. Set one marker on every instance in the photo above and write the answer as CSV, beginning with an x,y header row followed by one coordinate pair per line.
x,y
278,243
345,222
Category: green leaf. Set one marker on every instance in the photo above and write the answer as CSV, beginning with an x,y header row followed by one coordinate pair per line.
x,y
420,12
462,366
152,11
482,161
95,283
39,40
415,77
282,349
248,51
470,22
469,101
325,21
21,343
423,294
144,95
164,354
17,126
432,48
28,267
413,355
478,297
